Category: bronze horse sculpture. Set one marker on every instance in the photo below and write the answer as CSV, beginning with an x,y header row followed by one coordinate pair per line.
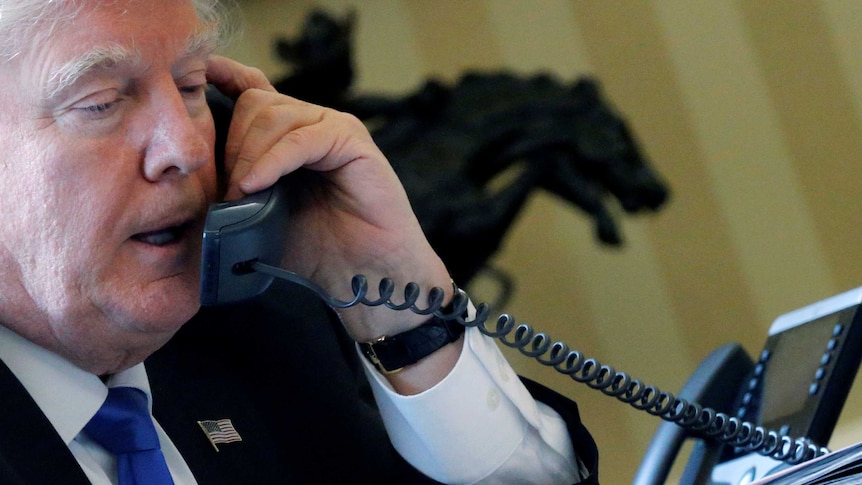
x,y
450,144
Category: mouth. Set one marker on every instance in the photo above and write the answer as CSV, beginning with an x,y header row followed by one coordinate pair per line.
x,y
164,236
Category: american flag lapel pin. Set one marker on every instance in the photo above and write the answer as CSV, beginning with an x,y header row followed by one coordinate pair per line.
x,y
219,432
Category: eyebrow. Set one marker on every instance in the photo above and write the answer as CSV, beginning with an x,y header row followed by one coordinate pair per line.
x,y
100,57
202,43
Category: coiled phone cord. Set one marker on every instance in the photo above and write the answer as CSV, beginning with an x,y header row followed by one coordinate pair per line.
x,y
727,429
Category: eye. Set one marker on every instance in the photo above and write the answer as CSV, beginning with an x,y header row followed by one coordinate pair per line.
x,y
194,96
99,108
97,111
193,90
192,83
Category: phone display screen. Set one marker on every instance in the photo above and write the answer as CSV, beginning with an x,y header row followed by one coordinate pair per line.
x,y
797,355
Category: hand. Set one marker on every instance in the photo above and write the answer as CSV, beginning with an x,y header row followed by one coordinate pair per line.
x,y
356,218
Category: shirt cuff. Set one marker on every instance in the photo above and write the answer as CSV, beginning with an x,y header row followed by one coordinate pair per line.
x,y
466,426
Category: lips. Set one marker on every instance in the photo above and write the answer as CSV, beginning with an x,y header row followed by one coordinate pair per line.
x,y
164,236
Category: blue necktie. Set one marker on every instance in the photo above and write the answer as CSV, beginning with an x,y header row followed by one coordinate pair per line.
x,y
123,426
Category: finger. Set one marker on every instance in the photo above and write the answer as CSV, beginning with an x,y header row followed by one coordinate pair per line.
x,y
233,78
302,147
261,121
258,118
244,115
323,140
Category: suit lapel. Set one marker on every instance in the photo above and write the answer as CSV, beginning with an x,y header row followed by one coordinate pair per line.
x,y
31,451
188,386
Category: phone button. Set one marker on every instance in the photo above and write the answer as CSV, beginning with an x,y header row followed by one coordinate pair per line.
x,y
752,384
758,370
813,388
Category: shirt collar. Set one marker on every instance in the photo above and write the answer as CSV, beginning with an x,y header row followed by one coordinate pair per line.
x,y
68,395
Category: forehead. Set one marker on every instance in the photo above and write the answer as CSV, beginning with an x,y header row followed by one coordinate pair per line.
x,y
103,33
87,19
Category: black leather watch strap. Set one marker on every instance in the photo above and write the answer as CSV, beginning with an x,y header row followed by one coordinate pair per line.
x,y
392,353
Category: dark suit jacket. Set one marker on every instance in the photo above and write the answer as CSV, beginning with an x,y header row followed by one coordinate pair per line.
x,y
282,369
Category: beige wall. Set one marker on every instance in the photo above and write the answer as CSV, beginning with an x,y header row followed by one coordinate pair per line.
x,y
750,109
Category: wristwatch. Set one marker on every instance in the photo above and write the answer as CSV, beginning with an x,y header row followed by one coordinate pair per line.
x,y
390,354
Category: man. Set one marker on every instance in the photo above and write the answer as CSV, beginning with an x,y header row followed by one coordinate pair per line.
x,y
108,167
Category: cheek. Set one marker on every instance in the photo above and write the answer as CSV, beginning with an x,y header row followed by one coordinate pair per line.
x,y
52,209
65,195
31,193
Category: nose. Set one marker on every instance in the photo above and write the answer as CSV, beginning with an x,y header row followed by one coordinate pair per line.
x,y
181,139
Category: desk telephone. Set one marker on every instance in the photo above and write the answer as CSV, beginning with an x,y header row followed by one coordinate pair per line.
x,y
796,388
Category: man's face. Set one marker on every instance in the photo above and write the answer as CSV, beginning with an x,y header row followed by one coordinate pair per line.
x,y
106,163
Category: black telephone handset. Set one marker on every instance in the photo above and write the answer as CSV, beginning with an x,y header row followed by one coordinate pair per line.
x,y
237,234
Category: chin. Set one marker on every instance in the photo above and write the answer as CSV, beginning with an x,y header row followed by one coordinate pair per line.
x,y
160,307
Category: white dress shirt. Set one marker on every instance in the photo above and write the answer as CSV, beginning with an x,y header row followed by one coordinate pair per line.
x,y
491,428
478,425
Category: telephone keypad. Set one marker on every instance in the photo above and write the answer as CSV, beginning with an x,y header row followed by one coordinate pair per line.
x,y
752,384
748,403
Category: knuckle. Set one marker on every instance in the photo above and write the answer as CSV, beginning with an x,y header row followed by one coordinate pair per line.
x,y
298,137
269,115
345,117
251,96
254,77
350,122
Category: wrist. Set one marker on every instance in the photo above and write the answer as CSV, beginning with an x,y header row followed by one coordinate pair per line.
x,y
416,359
428,372
390,354
367,323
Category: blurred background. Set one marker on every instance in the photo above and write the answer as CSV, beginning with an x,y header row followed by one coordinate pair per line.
x,y
749,110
